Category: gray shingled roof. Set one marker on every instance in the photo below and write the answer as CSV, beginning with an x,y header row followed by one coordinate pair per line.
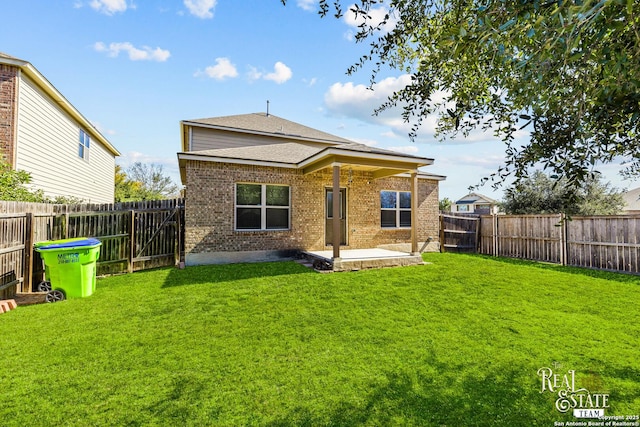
x,y
269,124
374,150
290,152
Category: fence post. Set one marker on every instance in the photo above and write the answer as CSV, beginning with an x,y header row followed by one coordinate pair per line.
x,y
563,240
27,275
132,241
478,234
178,227
494,226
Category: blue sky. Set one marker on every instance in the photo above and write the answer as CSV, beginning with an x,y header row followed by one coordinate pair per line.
x,y
136,68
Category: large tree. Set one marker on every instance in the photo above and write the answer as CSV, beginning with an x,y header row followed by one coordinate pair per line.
x,y
126,190
566,71
147,182
542,194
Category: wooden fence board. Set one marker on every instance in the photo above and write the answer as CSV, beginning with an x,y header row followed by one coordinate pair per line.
x,y
152,227
600,242
459,233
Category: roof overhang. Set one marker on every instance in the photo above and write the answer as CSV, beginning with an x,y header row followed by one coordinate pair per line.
x,y
44,84
183,157
379,164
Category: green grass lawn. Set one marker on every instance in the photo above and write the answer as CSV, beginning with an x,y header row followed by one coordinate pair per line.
x,y
457,342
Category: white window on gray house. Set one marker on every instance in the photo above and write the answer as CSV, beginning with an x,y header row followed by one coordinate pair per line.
x,y
395,209
262,207
83,146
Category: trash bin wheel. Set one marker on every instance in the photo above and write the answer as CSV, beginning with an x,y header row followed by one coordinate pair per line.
x,y
55,296
44,286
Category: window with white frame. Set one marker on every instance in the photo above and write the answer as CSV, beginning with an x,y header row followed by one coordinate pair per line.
x,y
262,207
83,146
395,209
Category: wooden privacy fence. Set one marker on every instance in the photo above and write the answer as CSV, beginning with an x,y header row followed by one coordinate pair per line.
x,y
135,236
601,242
459,233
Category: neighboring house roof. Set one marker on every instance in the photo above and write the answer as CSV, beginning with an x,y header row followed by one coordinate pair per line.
x,y
474,198
298,147
58,98
631,199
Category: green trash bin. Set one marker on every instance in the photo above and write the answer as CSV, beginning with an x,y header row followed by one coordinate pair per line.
x,y
70,266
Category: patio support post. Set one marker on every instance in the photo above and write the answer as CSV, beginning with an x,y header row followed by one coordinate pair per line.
x,y
414,213
336,211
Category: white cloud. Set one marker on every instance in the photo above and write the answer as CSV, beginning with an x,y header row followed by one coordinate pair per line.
x,y
253,74
145,53
308,5
201,8
407,149
310,82
281,73
102,129
359,102
486,161
109,7
222,70
376,17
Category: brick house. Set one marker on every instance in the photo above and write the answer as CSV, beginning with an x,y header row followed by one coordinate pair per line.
x,y
42,133
259,187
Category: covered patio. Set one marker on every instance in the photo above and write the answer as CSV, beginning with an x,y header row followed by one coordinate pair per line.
x,y
380,164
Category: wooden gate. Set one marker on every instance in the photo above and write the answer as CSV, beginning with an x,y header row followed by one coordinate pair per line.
x,y
459,233
157,238
132,240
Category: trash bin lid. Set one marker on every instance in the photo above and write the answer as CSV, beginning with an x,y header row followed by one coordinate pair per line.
x,y
72,244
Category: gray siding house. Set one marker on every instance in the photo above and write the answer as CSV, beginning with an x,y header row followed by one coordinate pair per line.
x,y
260,187
477,204
42,133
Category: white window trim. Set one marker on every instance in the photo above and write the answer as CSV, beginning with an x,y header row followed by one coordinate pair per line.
x,y
85,150
397,210
263,207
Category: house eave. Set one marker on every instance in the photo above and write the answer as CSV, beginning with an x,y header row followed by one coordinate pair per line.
x,y
375,161
183,157
381,165
424,175
48,88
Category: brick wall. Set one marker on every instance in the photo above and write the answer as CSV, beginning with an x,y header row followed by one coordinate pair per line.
x,y
210,208
8,111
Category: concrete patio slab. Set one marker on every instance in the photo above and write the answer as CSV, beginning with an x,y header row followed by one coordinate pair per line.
x,y
358,259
